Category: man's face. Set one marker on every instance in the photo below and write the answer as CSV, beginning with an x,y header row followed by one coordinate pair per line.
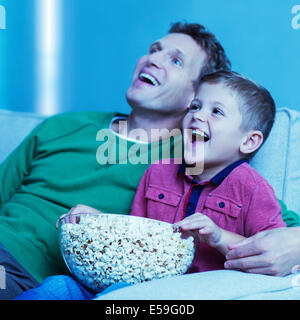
x,y
163,78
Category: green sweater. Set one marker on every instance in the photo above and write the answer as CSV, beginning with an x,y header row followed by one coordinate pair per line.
x,y
56,167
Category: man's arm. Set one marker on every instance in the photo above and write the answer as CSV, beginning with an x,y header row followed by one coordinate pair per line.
x,y
15,167
291,218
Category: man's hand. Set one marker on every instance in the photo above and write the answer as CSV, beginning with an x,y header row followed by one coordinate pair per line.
x,y
79,208
272,252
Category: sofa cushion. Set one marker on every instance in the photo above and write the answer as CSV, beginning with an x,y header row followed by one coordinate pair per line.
x,y
14,127
210,285
278,159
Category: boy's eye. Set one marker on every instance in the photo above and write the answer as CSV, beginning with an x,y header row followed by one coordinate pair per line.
x,y
194,107
218,112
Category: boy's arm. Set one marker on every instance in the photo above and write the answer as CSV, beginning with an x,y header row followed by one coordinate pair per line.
x,y
209,233
139,205
273,252
227,238
263,212
272,218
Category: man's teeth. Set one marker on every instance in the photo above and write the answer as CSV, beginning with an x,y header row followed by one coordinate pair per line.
x,y
146,77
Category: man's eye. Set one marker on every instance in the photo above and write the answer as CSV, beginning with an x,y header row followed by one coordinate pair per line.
x,y
152,50
177,62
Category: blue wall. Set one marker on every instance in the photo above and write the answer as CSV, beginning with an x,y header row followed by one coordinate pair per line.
x,y
17,54
102,40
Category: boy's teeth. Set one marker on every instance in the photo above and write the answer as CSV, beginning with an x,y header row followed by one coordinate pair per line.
x,y
200,133
146,76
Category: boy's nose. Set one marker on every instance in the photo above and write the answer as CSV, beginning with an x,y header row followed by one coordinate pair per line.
x,y
200,115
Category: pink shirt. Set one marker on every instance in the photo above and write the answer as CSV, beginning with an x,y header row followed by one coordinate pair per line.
x,y
242,202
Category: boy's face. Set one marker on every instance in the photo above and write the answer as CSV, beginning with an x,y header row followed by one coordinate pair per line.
x,y
215,121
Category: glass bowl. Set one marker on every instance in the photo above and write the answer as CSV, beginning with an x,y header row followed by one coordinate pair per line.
x,y
103,249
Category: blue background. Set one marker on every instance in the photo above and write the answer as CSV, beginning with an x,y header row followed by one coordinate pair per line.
x,y
101,41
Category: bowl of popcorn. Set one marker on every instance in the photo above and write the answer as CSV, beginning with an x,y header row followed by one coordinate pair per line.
x,y
103,249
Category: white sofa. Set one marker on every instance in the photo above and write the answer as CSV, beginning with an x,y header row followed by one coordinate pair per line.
x,y
278,161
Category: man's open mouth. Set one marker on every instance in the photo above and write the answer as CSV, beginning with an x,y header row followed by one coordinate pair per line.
x,y
198,134
145,77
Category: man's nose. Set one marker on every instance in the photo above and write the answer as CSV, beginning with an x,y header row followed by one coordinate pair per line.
x,y
156,59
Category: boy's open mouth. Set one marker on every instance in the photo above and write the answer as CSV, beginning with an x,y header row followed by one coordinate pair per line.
x,y
198,134
145,77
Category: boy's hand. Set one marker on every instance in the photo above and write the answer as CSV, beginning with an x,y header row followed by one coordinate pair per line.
x,y
204,227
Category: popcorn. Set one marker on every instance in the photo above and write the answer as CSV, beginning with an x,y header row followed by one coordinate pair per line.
x,y
101,250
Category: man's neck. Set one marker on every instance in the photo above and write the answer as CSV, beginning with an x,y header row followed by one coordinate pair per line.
x,y
146,123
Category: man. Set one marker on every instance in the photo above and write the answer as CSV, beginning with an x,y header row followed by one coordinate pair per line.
x,y
56,166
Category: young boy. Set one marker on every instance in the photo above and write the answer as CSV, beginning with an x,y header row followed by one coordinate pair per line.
x,y
223,199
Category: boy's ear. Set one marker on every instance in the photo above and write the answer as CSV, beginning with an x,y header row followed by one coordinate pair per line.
x,y
251,142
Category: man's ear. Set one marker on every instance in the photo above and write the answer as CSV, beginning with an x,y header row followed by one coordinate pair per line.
x,y
251,142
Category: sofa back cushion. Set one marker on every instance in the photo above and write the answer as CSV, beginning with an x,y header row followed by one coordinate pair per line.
x,y
278,159
14,127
